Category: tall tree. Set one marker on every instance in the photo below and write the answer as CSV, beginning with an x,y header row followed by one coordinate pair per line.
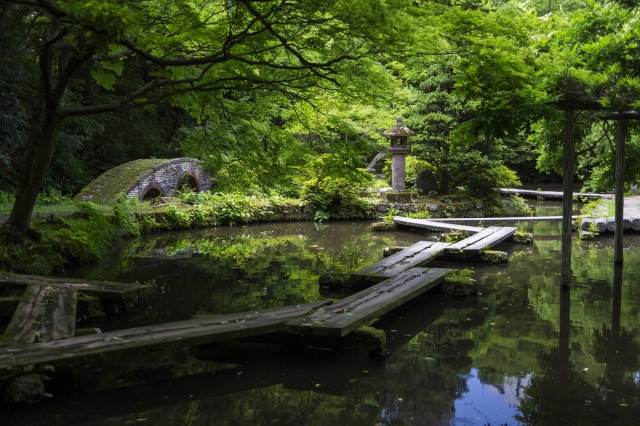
x,y
211,48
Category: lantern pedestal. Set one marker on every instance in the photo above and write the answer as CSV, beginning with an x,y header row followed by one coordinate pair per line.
x,y
398,167
399,196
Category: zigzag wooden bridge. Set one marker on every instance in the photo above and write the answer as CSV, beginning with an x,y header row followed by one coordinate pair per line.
x,y
42,329
423,252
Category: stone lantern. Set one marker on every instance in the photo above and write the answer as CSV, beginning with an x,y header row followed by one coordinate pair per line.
x,y
398,148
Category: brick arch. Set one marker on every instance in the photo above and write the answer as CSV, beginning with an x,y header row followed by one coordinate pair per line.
x,y
136,178
154,189
190,179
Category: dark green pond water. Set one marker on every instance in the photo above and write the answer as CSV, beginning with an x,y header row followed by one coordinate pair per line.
x,y
522,352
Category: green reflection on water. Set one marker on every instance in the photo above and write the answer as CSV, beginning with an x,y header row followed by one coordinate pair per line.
x,y
509,337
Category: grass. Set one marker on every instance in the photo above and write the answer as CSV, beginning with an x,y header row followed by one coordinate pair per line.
x,y
599,208
52,203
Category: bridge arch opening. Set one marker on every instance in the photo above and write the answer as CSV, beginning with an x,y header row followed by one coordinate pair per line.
x,y
188,182
152,192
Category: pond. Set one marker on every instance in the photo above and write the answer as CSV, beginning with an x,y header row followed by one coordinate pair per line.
x,y
521,352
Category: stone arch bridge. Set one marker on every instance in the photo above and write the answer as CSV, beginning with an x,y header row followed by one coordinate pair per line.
x,y
146,179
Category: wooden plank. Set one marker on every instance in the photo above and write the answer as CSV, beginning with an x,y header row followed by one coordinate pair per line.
x,y
434,226
490,241
550,195
45,313
385,263
359,309
183,333
499,219
472,239
106,289
418,254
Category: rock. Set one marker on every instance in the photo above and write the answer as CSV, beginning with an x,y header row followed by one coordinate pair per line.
x,y
366,338
388,251
425,182
25,389
635,224
460,288
523,238
494,257
432,208
383,226
399,196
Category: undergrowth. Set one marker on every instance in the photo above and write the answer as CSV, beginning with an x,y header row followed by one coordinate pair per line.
x,y
58,242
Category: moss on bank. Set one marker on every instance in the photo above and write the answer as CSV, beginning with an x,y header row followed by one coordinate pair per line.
x,y
55,243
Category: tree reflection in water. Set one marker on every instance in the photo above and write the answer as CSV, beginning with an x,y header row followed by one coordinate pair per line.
x,y
561,395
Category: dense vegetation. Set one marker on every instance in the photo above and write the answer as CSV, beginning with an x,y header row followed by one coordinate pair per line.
x,y
290,98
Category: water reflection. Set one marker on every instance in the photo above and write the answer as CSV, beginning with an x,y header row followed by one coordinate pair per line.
x,y
521,352
562,394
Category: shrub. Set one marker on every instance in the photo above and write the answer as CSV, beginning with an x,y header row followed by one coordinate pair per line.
x,y
337,197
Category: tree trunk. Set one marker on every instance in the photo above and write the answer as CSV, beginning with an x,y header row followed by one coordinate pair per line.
x,y
56,72
36,161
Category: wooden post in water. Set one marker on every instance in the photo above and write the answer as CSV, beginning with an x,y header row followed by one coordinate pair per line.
x,y
618,256
567,195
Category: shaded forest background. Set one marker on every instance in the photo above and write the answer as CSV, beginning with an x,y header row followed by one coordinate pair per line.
x,y
283,96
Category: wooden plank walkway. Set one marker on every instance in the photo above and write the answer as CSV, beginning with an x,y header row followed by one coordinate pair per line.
x,y
183,333
418,254
550,195
361,308
105,289
434,226
484,239
45,313
500,219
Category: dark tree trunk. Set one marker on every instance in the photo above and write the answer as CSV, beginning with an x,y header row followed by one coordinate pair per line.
x,y
40,148
55,73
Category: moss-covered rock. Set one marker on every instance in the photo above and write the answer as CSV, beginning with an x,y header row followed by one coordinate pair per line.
x,y
452,237
383,226
366,338
494,257
25,389
522,238
388,251
457,287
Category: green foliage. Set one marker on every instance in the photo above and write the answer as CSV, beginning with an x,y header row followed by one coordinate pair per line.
x,y
453,237
59,243
414,166
320,216
124,217
459,283
523,238
337,197
391,213
421,214
521,205
475,174
53,196
459,275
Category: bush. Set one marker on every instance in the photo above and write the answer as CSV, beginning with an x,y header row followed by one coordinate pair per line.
x,y
337,197
475,174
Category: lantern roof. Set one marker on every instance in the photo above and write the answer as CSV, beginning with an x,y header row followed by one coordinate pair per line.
x,y
399,129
